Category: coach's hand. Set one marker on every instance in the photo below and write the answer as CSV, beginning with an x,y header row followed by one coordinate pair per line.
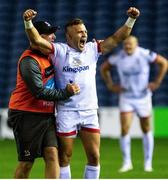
x,y
73,88
29,14
133,12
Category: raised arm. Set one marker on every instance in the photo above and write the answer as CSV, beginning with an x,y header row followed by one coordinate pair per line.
x,y
36,41
112,41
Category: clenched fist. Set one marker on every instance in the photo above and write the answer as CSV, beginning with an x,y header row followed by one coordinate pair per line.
x,y
133,12
29,14
73,88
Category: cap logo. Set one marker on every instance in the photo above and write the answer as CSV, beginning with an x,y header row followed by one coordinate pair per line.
x,y
47,24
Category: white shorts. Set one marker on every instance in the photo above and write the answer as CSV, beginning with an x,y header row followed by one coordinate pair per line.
x,y
141,106
68,123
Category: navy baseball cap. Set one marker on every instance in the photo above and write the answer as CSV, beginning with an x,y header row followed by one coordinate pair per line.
x,y
43,27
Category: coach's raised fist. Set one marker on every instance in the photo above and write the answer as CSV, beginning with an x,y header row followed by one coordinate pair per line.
x,y
29,14
133,12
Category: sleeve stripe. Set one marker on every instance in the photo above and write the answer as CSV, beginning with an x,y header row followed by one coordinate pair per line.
x,y
52,50
98,47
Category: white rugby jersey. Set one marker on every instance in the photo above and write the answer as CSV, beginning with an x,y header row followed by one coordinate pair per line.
x,y
79,67
134,71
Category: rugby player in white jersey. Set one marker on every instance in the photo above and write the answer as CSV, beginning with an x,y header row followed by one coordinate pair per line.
x,y
135,90
75,61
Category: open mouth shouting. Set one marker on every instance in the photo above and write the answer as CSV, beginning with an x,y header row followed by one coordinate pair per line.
x,y
82,43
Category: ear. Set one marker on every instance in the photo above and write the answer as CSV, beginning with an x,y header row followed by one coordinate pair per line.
x,y
68,36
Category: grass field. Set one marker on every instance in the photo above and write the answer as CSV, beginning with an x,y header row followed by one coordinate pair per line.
x,y
110,160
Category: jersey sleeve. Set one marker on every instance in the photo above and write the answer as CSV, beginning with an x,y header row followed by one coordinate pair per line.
x,y
94,47
58,50
149,55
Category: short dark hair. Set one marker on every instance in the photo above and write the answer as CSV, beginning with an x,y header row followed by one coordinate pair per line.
x,y
72,22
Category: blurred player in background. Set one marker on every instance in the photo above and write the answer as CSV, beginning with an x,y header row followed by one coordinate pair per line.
x,y
76,61
135,90
31,108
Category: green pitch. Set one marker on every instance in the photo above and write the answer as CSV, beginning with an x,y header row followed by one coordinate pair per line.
x,y
110,160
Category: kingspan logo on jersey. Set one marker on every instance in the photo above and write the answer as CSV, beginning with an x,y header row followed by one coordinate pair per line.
x,y
75,69
76,66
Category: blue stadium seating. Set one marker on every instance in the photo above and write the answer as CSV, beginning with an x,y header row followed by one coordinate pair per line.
x,y
102,18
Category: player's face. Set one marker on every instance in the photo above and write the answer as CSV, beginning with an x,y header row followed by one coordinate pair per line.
x,y
77,36
49,37
130,45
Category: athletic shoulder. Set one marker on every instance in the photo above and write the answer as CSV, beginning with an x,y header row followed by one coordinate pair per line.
x,y
60,45
144,50
59,49
93,45
147,54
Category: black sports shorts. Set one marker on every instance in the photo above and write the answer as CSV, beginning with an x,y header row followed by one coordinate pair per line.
x,y
33,132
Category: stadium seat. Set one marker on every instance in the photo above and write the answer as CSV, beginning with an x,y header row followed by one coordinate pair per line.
x,y
102,18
